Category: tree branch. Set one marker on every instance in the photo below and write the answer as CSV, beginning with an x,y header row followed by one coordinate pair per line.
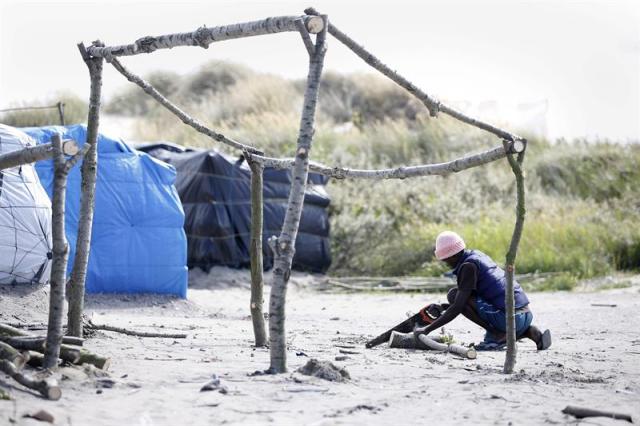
x,y
516,167
31,154
68,165
308,44
441,169
186,119
433,105
255,248
204,36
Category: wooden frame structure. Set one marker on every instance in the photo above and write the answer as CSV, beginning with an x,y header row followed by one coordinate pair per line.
x,y
312,23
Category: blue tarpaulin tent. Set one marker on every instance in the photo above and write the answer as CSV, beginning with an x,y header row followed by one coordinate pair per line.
x,y
138,243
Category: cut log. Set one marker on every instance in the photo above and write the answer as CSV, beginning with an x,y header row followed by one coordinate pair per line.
x,y
469,353
18,339
72,340
9,331
36,359
87,357
46,387
68,340
39,344
13,355
405,341
581,413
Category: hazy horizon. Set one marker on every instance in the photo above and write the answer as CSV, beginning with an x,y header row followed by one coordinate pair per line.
x,y
567,69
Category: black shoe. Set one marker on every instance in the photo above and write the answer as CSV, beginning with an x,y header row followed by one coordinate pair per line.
x,y
544,342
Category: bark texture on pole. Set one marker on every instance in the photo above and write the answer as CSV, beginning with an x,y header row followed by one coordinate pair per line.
x,y
60,251
203,36
31,154
433,105
255,249
284,245
516,167
183,116
76,284
439,169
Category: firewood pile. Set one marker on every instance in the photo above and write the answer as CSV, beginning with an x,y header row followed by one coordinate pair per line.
x,y
22,355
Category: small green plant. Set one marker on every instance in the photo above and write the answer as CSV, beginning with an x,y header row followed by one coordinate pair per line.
x,y
559,282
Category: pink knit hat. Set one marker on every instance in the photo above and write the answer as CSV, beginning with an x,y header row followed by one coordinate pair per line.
x,y
448,243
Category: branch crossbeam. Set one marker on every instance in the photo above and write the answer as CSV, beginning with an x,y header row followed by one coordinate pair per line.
x,y
31,154
438,169
204,36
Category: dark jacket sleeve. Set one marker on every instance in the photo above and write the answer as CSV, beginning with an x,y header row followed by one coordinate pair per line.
x,y
466,284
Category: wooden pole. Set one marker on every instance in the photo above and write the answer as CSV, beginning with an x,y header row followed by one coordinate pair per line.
x,y
31,154
76,285
439,169
284,245
257,279
204,36
60,250
516,167
60,254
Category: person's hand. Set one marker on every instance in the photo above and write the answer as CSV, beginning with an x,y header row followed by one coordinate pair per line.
x,y
420,330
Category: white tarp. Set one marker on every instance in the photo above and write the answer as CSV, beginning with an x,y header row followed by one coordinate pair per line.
x,y
25,218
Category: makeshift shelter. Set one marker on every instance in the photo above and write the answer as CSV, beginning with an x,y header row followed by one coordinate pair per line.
x,y
138,243
215,193
25,218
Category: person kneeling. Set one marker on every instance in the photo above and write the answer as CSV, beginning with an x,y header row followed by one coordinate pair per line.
x,y
480,296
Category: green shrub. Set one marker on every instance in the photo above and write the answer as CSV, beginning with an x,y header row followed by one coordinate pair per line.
x,y
583,199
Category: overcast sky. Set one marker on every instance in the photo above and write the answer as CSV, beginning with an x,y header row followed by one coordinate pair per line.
x,y
576,62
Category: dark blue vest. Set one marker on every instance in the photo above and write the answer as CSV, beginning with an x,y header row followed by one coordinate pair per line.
x,y
491,280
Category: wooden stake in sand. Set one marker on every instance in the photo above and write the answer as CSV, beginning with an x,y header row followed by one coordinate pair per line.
x,y
76,284
516,167
284,245
255,248
60,250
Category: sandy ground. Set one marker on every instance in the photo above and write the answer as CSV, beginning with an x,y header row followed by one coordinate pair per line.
x,y
594,362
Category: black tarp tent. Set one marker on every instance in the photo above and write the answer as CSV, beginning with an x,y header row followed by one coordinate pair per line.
x,y
215,192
